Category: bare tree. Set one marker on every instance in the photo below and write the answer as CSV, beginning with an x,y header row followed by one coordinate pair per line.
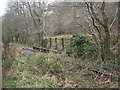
x,y
101,24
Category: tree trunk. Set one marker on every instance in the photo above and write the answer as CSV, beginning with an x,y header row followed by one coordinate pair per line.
x,y
107,44
102,50
6,47
119,35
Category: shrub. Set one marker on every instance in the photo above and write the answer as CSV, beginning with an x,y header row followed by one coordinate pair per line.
x,y
79,46
43,42
4,56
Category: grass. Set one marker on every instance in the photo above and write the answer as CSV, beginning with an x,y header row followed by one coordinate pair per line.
x,y
30,72
36,73
51,71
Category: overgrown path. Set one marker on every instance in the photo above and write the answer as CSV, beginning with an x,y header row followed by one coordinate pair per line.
x,y
52,70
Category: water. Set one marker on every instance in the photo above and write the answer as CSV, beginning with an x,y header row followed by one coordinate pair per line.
x,y
27,52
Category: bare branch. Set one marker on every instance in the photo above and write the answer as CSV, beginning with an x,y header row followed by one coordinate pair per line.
x,y
105,18
94,15
93,20
113,19
84,28
32,15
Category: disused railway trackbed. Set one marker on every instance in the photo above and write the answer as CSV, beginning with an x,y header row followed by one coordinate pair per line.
x,y
45,50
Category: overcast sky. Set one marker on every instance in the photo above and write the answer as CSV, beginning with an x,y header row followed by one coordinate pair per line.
x,y
3,4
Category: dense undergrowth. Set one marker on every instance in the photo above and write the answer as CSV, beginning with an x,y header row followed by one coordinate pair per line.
x,y
53,72
81,47
49,70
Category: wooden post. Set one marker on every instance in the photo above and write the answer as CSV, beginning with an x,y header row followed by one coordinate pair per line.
x,y
55,43
50,43
71,39
39,39
46,42
62,43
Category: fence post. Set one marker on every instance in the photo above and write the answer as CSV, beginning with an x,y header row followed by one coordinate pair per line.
x,y
62,43
46,42
71,39
55,43
50,43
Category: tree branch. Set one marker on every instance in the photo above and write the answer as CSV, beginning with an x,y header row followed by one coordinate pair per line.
x,y
113,19
105,18
93,20
32,14
94,15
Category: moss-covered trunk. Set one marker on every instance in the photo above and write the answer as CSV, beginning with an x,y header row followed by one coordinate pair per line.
x,y
107,44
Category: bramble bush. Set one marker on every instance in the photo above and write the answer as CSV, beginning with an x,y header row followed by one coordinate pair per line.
x,y
80,47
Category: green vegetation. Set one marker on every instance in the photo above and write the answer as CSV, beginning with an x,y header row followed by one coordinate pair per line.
x,y
41,50
43,42
48,71
80,47
51,71
33,68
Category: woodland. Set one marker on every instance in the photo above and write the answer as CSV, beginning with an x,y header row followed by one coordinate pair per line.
x,y
61,44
